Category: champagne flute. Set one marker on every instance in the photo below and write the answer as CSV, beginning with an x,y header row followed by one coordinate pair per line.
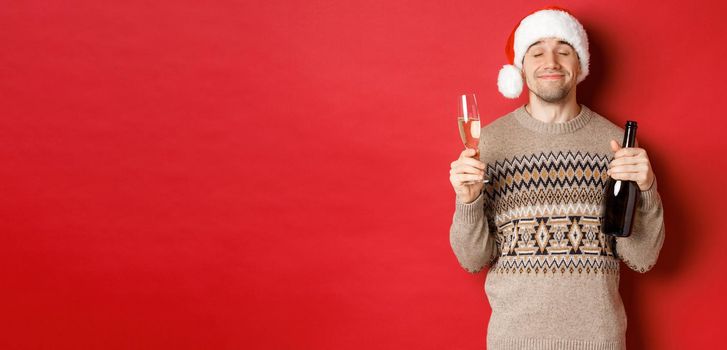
x,y
468,120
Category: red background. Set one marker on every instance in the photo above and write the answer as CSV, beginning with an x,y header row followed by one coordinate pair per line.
x,y
274,175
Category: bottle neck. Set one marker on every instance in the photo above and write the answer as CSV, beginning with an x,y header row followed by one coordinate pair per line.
x,y
629,135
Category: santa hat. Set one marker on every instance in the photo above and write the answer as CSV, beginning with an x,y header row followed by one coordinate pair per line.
x,y
545,23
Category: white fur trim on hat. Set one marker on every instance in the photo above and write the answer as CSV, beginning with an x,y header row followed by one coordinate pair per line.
x,y
547,24
510,81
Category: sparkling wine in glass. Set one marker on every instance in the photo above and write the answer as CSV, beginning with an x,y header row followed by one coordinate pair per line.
x,y
468,120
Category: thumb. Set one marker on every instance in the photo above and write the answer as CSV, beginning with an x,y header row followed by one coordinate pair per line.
x,y
614,146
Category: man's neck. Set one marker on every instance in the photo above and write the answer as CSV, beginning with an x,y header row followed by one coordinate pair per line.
x,y
559,112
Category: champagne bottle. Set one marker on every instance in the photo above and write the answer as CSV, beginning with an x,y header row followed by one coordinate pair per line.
x,y
620,197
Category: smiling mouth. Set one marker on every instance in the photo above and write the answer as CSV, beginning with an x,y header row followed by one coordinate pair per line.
x,y
551,76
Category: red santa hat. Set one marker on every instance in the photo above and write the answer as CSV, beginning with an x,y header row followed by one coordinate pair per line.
x,y
545,23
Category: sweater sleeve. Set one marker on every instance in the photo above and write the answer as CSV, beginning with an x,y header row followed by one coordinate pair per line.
x,y
470,236
641,250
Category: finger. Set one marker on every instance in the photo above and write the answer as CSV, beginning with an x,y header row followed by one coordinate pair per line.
x,y
469,161
460,179
474,162
625,176
629,152
615,146
626,169
639,177
627,161
468,153
466,169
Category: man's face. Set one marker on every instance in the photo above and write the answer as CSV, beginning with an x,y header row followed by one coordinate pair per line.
x,y
550,69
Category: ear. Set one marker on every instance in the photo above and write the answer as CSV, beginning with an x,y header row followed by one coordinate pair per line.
x,y
525,78
522,73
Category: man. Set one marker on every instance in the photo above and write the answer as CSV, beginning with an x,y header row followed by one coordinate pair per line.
x,y
553,276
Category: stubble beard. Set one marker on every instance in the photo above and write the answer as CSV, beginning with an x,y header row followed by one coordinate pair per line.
x,y
550,94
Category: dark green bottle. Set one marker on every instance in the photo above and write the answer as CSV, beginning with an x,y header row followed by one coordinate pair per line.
x,y
620,197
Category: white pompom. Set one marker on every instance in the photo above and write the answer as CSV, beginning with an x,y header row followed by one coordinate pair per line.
x,y
510,81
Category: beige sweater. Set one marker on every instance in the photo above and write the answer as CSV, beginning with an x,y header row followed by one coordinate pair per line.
x,y
553,277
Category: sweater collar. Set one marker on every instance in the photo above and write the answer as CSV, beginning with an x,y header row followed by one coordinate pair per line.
x,y
570,126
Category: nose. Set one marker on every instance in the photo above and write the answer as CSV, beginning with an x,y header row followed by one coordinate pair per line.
x,y
551,60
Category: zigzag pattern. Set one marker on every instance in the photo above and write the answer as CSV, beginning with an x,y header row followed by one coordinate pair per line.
x,y
570,201
551,170
553,195
562,264
517,213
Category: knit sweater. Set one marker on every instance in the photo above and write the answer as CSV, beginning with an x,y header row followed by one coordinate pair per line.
x,y
553,277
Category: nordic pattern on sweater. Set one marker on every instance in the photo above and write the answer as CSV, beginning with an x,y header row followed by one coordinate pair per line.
x,y
547,211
